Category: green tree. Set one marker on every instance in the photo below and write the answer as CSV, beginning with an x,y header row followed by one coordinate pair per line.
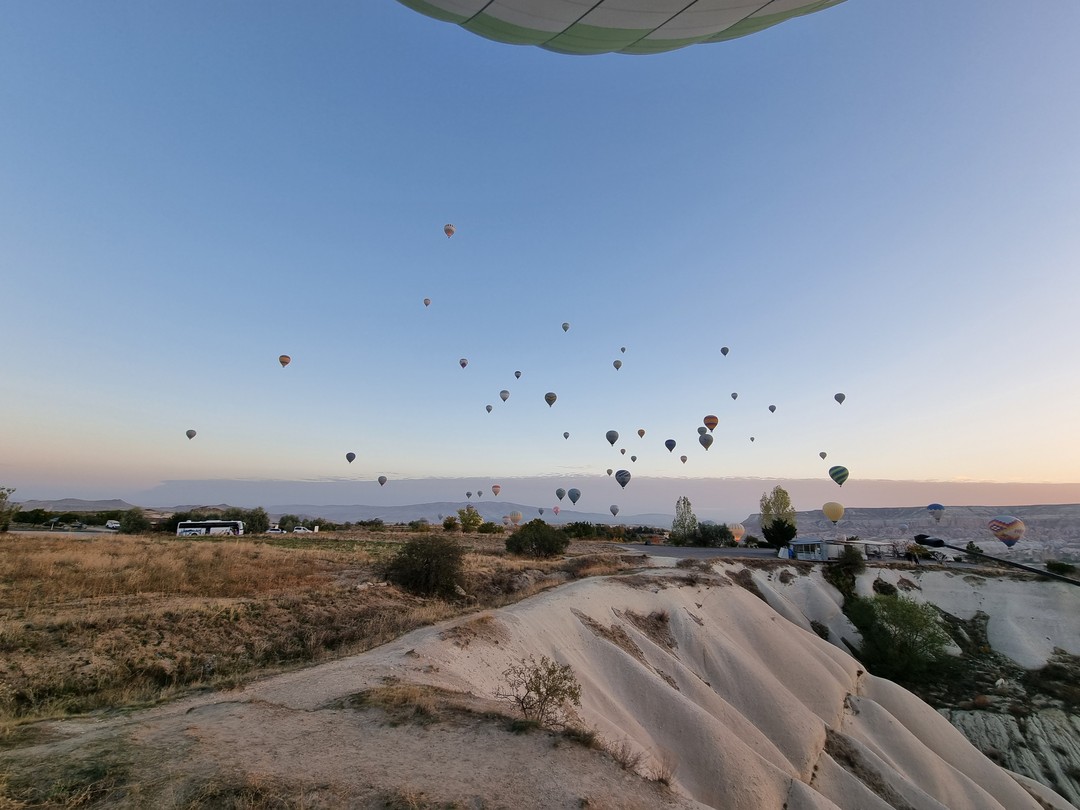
x,y
537,539
714,535
450,524
470,519
540,690
685,526
778,525
256,521
134,521
430,565
288,522
7,509
901,638
35,516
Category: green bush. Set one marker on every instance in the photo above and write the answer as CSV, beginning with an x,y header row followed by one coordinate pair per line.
x,y
134,522
841,572
901,638
779,533
450,524
470,519
429,566
537,539
1058,567
489,527
419,525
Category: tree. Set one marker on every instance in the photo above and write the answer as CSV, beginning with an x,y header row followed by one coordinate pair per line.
x,y
540,690
537,539
7,509
684,527
450,524
134,521
288,522
902,638
256,521
428,565
777,517
470,519
715,535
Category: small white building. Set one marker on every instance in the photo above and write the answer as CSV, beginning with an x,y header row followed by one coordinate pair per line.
x,y
817,549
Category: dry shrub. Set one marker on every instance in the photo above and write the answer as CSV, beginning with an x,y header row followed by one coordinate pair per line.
x,y
483,628
593,565
664,768
628,757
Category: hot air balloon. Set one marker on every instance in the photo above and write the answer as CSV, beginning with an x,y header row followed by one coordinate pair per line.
x,y
382,480
903,528
833,511
1007,529
540,510
517,375
555,509
641,433
751,438
350,457
463,362
623,477
823,454
622,349
670,444
682,459
560,493
612,436
734,394
284,360
633,458
566,327
936,510
468,495
190,434
566,434
738,531
504,395
711,422
427,302
701,431
838,474
610,471
479,493
515,518
772,409
489,408
573,495
495,489
614,510
839,398
550,398
609,26
622,450
617,364
706,441
449,230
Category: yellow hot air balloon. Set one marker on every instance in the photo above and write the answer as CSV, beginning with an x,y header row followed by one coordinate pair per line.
x,y
738,531
833,511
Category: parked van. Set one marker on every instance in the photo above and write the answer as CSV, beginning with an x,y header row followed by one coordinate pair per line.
x,y
112,524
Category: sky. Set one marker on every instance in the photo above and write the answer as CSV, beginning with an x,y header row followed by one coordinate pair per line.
x,y
880,199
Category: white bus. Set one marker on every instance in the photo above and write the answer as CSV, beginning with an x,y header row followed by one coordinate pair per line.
x,y
194,528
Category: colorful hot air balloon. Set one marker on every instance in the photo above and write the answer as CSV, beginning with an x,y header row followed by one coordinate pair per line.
x,y
517,375
838,474
382,480
833,511
823,454
504,395
1007,529
614,510
515,518
573,495
427,302
284,360
463,362
350,457
560,493
495,489
566,434
839,398
612,436
724,350
936,510
641,433
190,434
449,230
556,510
682,459
550,398
705,440
489,408
566,327
623,477
610,26
772,409
738,531
670,444
711,422
617,364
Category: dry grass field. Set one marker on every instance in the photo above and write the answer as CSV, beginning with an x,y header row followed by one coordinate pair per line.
x,y
107,622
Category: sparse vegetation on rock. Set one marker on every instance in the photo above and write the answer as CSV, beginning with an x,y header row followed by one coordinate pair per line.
x,y
540,690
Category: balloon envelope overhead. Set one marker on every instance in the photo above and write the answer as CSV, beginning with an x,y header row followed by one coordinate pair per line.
x,y
489,408
772,409
734,394
614,510
495,489
612,436
641,433
560,493
839,398
555,509
573,495
550,398
701,431
449,230
350,457
833,511
504,395
463,362
284,360
190,434
566,434
682,459
838,474
566,327
517,375
1007,529
823,454
706,440
427,302
623,477
610,471
617,364
724,350
670,444
633,458
711,421
382,480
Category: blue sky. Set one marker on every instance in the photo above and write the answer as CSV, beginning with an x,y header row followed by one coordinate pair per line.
x,y
881,199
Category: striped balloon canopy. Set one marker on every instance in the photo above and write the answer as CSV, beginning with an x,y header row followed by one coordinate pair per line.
x,y
838,474
1007,529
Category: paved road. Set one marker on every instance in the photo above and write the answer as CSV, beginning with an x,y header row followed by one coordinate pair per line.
x,y
697,553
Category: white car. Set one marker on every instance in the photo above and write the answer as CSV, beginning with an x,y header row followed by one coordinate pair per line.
x,y
275,530
112,524
301,530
